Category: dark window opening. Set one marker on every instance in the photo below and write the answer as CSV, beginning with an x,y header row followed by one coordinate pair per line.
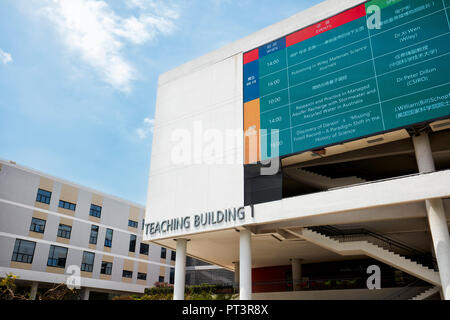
x,y
23,251
106,268
144,249
57,257
95,211
37,225
67,205
43,196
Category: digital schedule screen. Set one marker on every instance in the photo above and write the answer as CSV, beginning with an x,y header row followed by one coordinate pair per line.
x,y
341,79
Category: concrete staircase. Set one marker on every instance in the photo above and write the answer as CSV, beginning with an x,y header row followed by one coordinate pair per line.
x,y
426,294
365,248
319,181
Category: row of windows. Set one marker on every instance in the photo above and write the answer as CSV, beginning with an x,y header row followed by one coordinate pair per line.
x,y
44,196
164,254
143,247
38,226
57,256
64,231
129,274
67,205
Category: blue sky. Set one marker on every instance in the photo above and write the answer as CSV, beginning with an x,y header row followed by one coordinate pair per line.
x,y
78,78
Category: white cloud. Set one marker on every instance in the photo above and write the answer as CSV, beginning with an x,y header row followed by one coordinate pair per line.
x,y
5,57
98,34
146,129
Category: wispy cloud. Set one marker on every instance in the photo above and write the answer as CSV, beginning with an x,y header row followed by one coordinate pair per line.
x,y
5,57
146,129
92,29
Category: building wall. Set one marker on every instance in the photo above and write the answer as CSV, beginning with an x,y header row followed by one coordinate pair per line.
x,y
207,93
18,191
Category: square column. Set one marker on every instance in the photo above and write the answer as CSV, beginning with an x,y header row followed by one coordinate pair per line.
x,y
180,270
245,265
296,273
436,214
85,294
34,288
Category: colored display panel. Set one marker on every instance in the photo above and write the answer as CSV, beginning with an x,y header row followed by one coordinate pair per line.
x,y
348,77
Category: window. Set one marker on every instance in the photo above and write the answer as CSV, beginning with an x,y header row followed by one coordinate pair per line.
x,y
87,264
143,224
144,249
94,235
43,196
173,256
142,276
57,257
67,205
96,211
132,247
106,268
163,253
133,224
37,225
172,276
108,238
23,251
64,231
161,279
127,274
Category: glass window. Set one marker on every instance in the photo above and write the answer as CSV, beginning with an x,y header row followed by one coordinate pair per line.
x,y
94,235
43,196
161,279
67,205
127,274
132,247
172,276
142,276
57,257
163,253
144,249
133,224
96,211
23,251
87,264
106,268
37,225
108,238
173,256
64,231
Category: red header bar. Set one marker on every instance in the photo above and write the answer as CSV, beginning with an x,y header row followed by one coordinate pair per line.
x,y
326,25
251,56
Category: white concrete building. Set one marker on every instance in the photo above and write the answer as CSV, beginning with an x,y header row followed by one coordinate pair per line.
x,y
49,225
379,195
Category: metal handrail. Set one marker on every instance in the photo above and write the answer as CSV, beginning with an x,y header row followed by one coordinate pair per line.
x,y
335,232
408,288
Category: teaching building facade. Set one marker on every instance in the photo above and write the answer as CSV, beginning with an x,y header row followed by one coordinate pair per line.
x,y
312,155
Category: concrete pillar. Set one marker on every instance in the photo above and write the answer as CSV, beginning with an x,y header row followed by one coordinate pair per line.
x,y
180,270
236,274
245,265
85,294
33,292
436,215
296,273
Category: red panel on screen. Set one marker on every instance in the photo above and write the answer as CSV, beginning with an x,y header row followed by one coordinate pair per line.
x,y
251,56
326,25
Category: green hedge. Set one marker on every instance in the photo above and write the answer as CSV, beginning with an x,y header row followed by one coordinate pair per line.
x,y
203,289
